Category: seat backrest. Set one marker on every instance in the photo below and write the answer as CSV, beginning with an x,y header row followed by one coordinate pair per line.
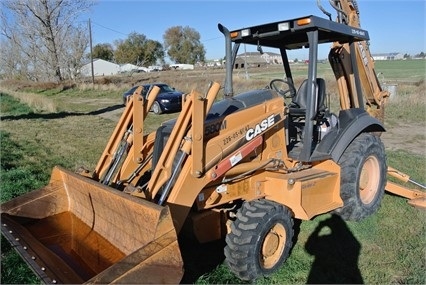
x,y
302,96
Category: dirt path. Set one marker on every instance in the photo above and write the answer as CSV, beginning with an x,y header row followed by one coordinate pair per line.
x,y
408,137
113,115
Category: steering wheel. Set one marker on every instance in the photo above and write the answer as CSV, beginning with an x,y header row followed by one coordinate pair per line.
x,y
283,87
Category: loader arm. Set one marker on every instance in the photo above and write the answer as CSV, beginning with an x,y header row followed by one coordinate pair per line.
x,y
127,147
187,135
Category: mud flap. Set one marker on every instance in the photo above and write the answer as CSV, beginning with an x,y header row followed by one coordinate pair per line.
x,y
76,230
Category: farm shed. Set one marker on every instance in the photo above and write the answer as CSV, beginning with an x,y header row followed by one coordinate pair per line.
x,y
100,67
255,59
388,56
128,67
249,60
182,66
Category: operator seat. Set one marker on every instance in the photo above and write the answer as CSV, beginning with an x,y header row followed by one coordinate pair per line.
x,y
297,107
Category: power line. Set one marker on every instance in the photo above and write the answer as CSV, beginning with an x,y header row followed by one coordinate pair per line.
x,y
211,39
118,32
109,29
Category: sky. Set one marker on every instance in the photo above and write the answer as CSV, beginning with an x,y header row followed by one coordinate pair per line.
x,y
393,26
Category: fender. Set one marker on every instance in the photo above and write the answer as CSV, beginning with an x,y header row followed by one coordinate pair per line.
x,y
351,123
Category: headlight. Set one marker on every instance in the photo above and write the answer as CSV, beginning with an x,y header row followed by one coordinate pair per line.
x,y
245,32
283,26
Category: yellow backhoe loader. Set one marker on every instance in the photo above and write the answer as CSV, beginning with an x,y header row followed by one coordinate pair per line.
x,y
243,167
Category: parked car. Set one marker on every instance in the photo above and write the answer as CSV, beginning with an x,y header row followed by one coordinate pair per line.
x,y
168,100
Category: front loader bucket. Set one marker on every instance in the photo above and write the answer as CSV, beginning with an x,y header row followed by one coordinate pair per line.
x,y
76,230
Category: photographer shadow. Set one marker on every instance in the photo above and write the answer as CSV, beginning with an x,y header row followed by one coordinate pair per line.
x,y
336,253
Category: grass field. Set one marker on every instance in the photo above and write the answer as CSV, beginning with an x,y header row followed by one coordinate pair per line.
x,y
43,125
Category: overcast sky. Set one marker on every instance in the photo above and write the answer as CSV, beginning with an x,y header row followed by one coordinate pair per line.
x,y
394,26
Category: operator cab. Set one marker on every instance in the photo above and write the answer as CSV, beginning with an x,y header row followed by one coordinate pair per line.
x,y
309,119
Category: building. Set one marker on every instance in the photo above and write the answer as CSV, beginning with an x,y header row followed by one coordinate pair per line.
x,y
100,68
182,66
214,63
388,56
128,67
256,59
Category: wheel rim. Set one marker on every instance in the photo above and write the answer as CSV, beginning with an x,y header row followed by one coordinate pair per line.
x,y
369,179
273,246
156,108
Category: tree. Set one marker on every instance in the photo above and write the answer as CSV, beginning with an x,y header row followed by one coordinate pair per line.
x,y
420,55
73,52
103,51
45,34
183,45
154,52
139,50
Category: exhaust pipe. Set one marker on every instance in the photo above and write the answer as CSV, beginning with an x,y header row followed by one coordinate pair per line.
x,y
229,58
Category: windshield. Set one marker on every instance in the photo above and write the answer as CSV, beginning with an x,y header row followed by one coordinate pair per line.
x,y
166,88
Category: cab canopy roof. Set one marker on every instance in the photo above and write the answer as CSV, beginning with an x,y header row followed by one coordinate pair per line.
x,y
292,34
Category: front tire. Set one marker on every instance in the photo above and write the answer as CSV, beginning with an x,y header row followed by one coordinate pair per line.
x,y
260,239
363,177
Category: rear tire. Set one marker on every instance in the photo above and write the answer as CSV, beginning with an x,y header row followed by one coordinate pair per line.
x,y
156,108
363,177
260,239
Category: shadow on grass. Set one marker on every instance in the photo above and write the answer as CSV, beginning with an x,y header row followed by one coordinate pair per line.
x,y
200,259
60,115
336,253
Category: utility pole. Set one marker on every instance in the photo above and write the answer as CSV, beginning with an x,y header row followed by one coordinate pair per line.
x,y
91,52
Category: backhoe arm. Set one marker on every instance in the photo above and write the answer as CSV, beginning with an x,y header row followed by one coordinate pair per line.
x,y
344,67
415,197
353,67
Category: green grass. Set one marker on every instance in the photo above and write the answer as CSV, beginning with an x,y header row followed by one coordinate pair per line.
x,y
13,269
18,176
388,247
24,166
401,70
9,105
396,71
